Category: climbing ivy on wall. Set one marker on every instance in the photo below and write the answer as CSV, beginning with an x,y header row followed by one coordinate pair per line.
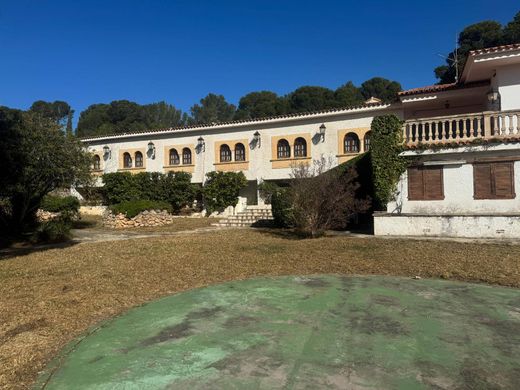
x,y
385,145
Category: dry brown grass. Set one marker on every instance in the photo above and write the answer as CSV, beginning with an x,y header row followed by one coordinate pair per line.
x,y
50,297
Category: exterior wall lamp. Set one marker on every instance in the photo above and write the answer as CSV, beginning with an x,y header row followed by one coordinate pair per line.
x,y
107,153
151,150
201,145
257,139
322,132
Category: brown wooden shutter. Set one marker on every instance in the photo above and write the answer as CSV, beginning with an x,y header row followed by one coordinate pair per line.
x,y
503,180
433,183
482,183
415,184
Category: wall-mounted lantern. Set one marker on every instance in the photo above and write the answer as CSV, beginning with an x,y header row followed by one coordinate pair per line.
x,y
151,150
322,132
493,96
201,145
257,139
107,153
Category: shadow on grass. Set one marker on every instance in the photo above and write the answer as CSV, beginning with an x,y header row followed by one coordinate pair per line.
x,y
26,248
293,234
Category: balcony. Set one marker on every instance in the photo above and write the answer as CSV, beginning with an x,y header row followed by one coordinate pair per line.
x,y
489,125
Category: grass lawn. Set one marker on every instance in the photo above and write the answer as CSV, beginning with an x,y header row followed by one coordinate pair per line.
x,y
50,297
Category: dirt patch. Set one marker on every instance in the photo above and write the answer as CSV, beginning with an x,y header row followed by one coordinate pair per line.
x,y
175,332
370,324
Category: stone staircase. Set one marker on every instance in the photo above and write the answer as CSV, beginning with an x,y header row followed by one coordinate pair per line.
x,y
252,215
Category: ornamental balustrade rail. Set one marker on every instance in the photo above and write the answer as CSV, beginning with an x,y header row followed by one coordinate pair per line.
x,y
462,128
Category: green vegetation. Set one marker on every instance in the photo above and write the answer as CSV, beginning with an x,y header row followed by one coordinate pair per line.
x,y
37,158
121,116
221,190
60,204
385,145
478,36
174,188
131,208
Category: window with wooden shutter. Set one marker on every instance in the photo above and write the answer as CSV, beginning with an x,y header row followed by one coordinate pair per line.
x,y
425,183
493,180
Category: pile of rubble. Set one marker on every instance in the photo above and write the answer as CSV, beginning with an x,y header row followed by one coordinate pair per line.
x,y
148,218
45,216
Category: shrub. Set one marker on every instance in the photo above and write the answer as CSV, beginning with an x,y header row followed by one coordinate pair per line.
x,y
174,188
267,190
60,204
120,187
387,166
221,190
132,208
281,204
56,230
318,199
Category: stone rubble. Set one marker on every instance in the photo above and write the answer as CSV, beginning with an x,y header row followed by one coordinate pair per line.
x,y
148,218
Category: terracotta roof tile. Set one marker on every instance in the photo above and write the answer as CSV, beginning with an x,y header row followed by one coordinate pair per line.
x,y
442,87
495,49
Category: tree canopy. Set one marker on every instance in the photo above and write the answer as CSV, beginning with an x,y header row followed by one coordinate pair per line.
x,y
478,36
37,158
261,104
121,116
381,88
212,108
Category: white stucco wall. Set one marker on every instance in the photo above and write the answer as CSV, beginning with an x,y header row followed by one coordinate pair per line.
x,y
260,165
488,226
507,79
458,186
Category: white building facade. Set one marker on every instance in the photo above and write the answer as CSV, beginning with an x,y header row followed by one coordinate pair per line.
x,y
461,140
464,173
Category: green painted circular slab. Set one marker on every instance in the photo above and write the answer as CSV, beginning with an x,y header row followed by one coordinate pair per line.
x,y
318,332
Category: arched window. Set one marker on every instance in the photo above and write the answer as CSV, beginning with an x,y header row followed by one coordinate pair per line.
x,y
174,157
186,156
97,163
225,153
351,143
300,147
283,149
138,160
366,141
127,160
240,152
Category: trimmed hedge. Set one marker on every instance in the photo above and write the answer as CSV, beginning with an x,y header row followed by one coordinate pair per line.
x,y
221,189
173,188
132,208
60,204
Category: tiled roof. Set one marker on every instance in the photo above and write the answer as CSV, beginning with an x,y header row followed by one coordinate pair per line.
x,y
495,49
217,125
442,88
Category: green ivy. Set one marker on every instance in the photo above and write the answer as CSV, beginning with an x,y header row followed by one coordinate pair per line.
x,y
386,143
221,190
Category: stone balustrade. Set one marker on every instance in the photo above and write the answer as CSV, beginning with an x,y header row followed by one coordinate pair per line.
x,y
462,128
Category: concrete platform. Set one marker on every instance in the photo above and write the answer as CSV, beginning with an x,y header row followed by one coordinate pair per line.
x,y
319,332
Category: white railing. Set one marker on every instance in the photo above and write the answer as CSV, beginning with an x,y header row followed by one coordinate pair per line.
x,y
466,127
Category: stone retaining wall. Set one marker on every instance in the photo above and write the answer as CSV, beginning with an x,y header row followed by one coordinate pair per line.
x,y
45,216
147,218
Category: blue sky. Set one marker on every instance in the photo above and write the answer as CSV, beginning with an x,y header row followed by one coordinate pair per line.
x,y
95,51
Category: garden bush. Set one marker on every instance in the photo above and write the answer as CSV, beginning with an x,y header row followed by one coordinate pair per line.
x,y
132,208
173,188
60,204
221,190
53,231
281,206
